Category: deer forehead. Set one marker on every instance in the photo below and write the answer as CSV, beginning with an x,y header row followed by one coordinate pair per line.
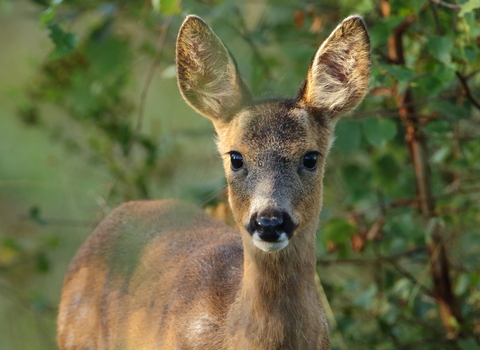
x,y
275,129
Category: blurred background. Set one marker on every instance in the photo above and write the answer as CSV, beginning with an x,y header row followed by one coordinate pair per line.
x,y
90,116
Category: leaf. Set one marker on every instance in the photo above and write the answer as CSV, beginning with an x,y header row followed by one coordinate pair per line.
x,y
365,299
64,42
468,344
156,5
468,7
167,7
402,74
445,74
47,15
403,288
382,29
378,131
348,136
441,154
42,262
338,230
441,47
35,215
462,283
386,171
7,255
470,22
354,179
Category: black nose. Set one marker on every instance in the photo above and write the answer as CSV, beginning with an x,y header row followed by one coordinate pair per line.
x,y
270,224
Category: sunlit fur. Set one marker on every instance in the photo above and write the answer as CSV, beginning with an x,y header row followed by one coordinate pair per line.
x,y
164,275
340,70
209,80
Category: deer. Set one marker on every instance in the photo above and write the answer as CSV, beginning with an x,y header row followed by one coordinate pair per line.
x,y
162,274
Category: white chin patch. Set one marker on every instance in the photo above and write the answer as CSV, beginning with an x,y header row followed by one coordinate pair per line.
x,y
269,247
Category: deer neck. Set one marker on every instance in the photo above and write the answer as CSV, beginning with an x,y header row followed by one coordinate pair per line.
x,y
276,305
292,267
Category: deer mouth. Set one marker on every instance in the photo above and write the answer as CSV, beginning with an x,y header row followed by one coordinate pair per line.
x,y
270,246
271,229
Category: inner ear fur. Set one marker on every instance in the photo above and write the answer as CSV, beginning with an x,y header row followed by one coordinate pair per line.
x,y
339,74
207,74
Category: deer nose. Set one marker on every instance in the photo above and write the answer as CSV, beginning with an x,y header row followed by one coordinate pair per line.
x,y
270,225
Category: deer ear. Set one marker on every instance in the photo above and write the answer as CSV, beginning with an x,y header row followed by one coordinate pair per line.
x,y
339,73
207,75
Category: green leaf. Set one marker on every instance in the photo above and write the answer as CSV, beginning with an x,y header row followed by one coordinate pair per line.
x,y
382,29
47,15
35,214
156,5
365,299
470,22
451,110
441,47
402,288
354,179
167,7
348,136
64,42
445,74
378,131
42,262
468,7
441,154
468,344
462,283
402,74
338,230
386,171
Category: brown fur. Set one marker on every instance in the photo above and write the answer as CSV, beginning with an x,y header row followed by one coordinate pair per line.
x,y
164,275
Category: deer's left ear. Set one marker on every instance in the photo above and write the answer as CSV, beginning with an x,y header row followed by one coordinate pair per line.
x,y
208,77
339,73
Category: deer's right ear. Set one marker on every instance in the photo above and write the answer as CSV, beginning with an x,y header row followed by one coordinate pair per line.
x,y
339,74
207,75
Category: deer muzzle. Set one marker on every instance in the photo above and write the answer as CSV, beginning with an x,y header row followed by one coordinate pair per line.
x,y
271,229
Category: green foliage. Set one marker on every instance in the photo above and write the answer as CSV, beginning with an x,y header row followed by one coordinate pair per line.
x,y
373,241
468,7
378,131
167,7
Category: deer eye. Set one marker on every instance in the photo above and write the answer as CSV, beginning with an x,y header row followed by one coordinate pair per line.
x,y
236,161
310,160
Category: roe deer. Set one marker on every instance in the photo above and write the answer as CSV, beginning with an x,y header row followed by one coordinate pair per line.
x,y
164,275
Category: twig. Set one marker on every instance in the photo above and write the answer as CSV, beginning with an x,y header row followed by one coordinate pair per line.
x,y
405,104
376,260
446,4
437,20
470,96
471,75
410,277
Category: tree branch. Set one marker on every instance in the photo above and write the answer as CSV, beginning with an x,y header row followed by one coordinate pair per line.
x,y
416,140
465,86
378,259
446,4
